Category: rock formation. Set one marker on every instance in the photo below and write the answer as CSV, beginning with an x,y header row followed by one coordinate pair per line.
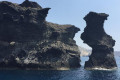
x,y
27,40
102,44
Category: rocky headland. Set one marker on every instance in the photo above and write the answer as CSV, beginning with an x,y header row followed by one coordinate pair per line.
x,y
27,40
102,44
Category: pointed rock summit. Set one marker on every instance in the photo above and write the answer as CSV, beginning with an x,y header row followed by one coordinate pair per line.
x,y
102,44
31,4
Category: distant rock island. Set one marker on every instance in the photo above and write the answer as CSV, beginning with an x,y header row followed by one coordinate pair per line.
x,y
27,40
102,44
84,52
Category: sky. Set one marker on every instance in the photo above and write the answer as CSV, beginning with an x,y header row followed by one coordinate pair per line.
x,y
73,12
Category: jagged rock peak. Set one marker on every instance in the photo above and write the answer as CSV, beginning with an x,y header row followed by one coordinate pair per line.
x,y
97,15
28,11
31,4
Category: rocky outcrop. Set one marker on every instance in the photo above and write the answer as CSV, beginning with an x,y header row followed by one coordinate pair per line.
x,y
27,40
102,44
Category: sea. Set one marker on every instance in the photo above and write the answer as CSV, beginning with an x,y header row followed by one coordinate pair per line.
x,y
73,74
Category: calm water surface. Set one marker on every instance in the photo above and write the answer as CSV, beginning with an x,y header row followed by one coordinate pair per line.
x,y
74,74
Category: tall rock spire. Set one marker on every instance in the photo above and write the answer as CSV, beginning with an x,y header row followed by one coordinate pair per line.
x,y
102,44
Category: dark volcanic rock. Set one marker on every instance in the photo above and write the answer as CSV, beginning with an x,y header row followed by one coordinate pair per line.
x,y
28,41
28,3
102,44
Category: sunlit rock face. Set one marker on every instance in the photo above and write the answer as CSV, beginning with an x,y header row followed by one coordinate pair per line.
x,y
27,40
102,44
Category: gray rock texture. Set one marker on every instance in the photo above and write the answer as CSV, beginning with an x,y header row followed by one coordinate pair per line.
x,y
27,40
102,44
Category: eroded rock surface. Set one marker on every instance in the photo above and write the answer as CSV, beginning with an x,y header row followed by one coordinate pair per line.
x,y
27,40
102,44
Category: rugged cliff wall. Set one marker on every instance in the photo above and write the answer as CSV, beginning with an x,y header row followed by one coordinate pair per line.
x,y
102,44
28,41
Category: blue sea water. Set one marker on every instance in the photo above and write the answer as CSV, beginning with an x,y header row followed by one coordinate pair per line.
x,y
74,74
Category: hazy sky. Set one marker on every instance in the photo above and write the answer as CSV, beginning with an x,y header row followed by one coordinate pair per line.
x,y
73,11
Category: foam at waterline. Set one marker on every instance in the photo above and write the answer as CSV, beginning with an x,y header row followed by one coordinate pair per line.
x,y
100,68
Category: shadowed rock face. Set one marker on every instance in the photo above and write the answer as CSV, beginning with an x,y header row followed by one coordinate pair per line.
x,y
102,44
27,40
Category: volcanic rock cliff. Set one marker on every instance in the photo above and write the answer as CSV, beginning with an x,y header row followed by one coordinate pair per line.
x,y
27,40
102,44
